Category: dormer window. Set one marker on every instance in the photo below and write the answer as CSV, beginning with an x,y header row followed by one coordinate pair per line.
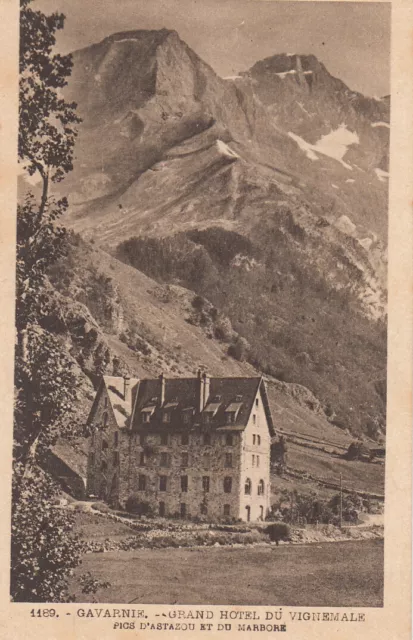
x,y
166,417
147,413
187,415
232,410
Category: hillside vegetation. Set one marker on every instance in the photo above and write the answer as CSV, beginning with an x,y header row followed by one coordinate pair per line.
x,y
295,323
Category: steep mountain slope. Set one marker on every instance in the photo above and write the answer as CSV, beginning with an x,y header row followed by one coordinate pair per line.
x,y
142,94
285,157
112,319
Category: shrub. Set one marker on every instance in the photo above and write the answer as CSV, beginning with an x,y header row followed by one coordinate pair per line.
x,y
239,349
134,504
198,303
223,329
278,531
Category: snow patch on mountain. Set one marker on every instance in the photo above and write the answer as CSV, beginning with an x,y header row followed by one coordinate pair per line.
x,y
282,74
302,107
382,175
304,146
225,150
380,123
334,144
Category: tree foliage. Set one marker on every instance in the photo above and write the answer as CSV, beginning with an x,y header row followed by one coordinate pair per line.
x,y
44,551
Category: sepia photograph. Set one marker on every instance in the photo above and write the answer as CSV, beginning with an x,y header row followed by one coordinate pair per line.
x,y
201,303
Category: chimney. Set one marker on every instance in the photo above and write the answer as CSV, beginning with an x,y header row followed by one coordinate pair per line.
x,y
200,391
207,384
127,396
162,394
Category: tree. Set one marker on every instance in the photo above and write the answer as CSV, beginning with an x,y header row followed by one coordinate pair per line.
x,y
44,551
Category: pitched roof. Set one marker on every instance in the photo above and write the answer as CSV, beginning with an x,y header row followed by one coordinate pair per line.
x,y
183,393
179,394
122,409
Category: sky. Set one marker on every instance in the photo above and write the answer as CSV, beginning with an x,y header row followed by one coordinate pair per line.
x,y
352,39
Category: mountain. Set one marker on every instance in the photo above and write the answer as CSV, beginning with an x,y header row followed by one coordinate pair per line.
x,y
264,194
149,102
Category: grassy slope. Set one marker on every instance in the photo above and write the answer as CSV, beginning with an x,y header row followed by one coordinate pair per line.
x,y
340,574
178,348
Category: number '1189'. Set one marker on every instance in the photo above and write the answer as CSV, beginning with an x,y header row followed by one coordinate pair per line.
x,y
43,613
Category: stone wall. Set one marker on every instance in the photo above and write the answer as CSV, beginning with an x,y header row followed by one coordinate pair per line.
x,y
204,461
103,461
255,464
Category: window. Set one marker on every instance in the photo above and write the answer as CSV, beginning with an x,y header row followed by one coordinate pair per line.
x,y
256,402
183,510
254,438
206,461
162,509
104,466
115,458
247,488
207,438
141,482
227,484
185,438
186,417
105,402
166,416
261,512
205,484
184,484
162,483
229,441
184,459
258,440
142,438
116,438
258,461
203,508
164,438
105,420
228,460
104,445
146,416
227,510
254,419
261,488
230,417
253,460
164,462
142,459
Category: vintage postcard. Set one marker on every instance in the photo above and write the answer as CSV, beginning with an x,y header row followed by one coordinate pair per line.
x,y
207,319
